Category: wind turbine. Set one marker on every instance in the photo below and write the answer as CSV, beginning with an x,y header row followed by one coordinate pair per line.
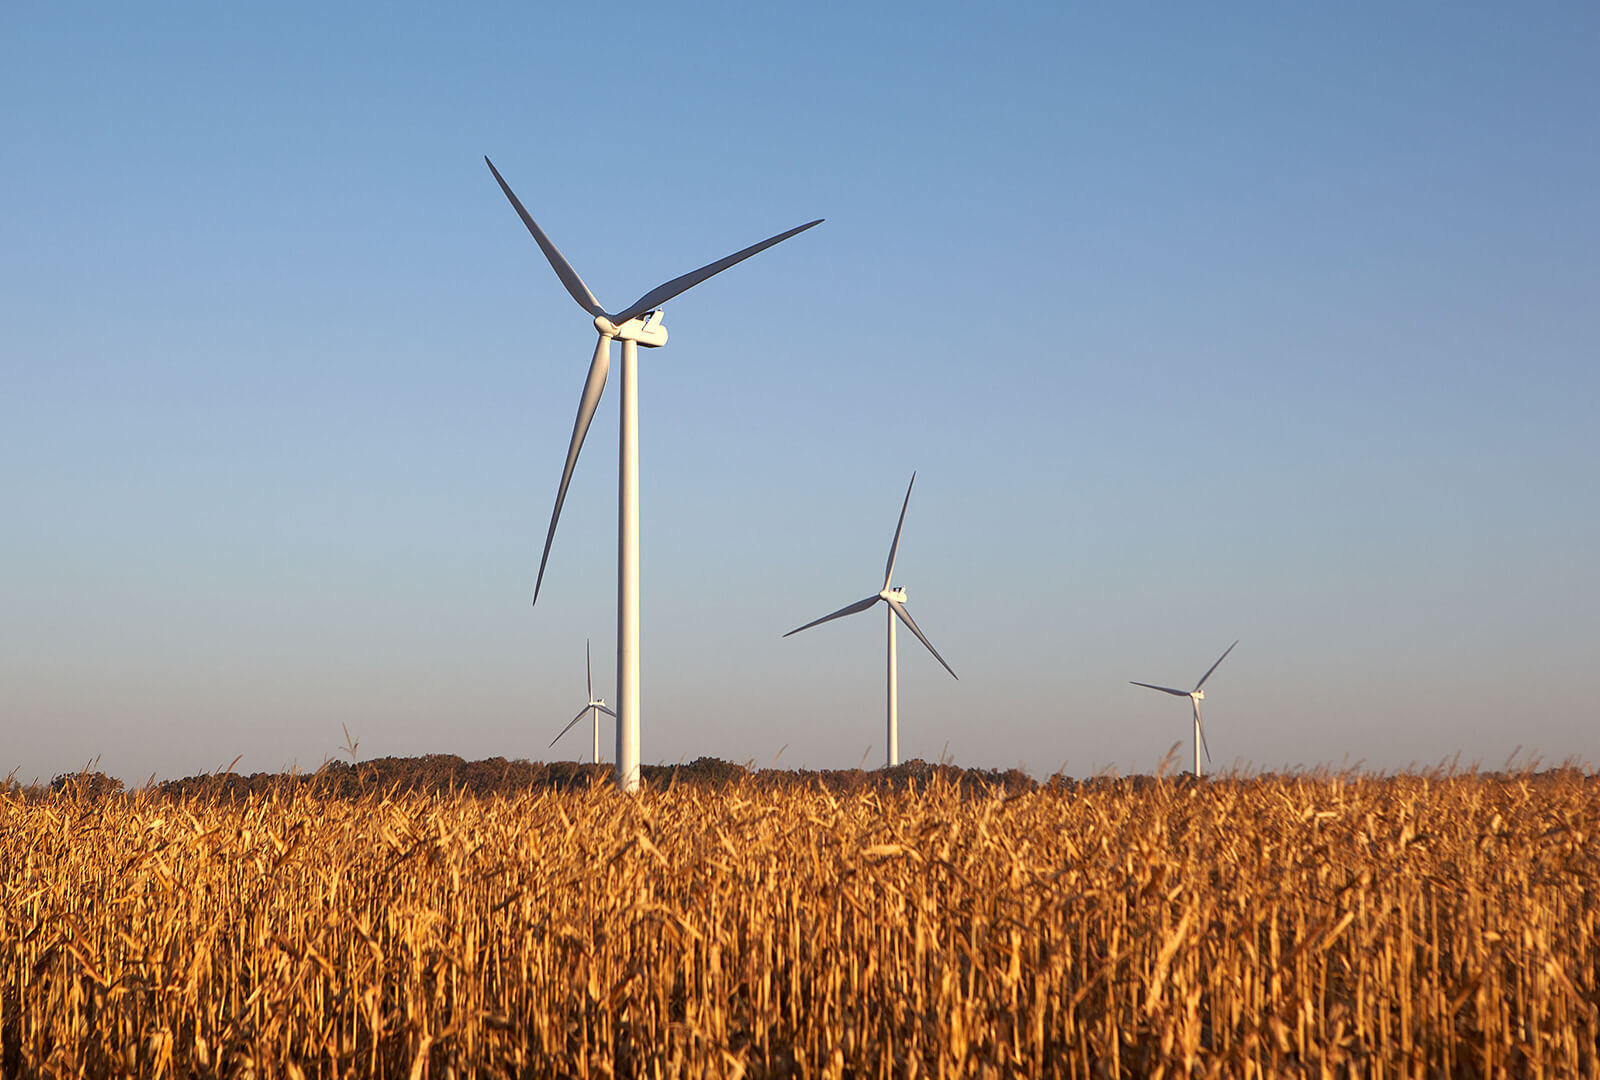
x,y
637,324
896,599
595,707
1195,696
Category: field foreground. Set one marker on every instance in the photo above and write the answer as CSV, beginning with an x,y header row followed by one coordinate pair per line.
x,y
1274,926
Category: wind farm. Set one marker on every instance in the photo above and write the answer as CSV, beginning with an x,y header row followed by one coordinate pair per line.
x,y
1268,325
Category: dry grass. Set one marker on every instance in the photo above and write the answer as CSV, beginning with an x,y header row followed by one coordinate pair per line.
x,y
1301,925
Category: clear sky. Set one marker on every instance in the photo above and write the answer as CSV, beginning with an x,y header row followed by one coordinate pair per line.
x,y
1197,322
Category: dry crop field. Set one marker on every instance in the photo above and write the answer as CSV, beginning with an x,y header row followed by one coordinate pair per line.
x,y
1302,925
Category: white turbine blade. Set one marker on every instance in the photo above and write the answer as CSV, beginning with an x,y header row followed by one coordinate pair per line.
x,y
905,617
859,605
569,277
1200,725
1213,667
570,726
662,293
1163,689
588,671
592,388
603,708
894,548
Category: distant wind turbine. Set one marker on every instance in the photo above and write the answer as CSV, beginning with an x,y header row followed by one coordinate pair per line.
x,y
595,707
896,599
1195,696
637,324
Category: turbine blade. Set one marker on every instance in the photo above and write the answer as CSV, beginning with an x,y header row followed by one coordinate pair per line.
x,y
605,710
1213,667
662,293
905,617
851,609
1163,689
592,387
569,277
894,548
588,669
571,725
1201,725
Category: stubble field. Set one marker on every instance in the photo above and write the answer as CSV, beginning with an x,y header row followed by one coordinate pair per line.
x,y
1302,925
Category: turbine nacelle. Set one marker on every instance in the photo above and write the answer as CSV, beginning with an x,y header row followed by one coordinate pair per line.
x,y
893,595
1198,695
644,329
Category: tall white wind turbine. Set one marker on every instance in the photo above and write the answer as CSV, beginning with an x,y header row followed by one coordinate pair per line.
x,y
1195,696
896,600
595,707
637,324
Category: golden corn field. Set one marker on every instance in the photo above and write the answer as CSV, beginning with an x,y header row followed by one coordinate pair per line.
x,y
1275,926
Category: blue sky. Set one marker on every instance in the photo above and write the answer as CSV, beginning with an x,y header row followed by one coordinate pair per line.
x,y
1269,323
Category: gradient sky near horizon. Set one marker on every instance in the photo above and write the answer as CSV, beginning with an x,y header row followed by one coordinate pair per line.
x,y
1197,322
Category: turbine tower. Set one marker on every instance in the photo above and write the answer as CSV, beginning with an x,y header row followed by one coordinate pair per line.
x,y
896,601
595,707
637,324
1195,696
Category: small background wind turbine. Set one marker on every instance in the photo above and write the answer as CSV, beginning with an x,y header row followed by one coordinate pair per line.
x,y
637,324
1195,696
896,600
595,707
